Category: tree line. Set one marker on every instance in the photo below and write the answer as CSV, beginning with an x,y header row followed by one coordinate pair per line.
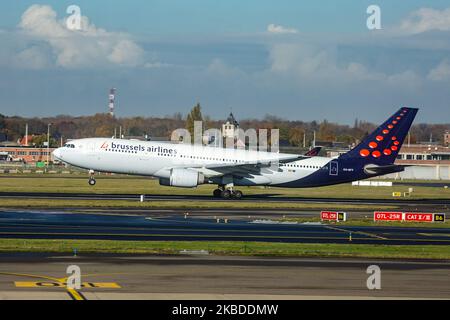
x,y
294,132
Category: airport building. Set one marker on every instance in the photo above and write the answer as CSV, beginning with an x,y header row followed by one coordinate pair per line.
x,y
230,127
431,162
28,155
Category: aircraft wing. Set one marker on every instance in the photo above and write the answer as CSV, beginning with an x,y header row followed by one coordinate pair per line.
x,y
243,169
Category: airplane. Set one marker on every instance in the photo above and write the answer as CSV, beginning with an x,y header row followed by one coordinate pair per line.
x,y
313,152
190,165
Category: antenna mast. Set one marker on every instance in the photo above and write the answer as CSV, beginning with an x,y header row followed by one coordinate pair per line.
x,y
112,98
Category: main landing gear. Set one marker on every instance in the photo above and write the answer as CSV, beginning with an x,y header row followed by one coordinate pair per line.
x,y
91,178
227,193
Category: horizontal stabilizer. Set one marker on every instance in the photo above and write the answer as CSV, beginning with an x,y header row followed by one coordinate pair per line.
x,y
380,170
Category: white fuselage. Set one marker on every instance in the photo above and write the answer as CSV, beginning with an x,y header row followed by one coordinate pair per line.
x,y
158,158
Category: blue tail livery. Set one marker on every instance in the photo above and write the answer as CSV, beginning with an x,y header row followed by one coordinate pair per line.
x,y
373,156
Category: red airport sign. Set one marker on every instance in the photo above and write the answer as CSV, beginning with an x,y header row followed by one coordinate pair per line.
x,y
328,215
408,216
418,217
387,216
333,216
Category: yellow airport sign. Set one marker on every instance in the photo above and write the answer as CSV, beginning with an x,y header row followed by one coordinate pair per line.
x,y
439,217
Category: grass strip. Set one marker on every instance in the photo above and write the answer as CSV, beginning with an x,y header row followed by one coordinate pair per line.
x,y
181,204
228,248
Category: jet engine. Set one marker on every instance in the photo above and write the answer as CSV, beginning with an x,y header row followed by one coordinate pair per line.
x,y
180,177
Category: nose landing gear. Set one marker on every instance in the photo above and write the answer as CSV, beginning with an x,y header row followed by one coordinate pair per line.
x,y
92,180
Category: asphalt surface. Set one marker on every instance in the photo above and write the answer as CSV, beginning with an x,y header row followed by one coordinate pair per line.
x,y
249,198
172,225
37,276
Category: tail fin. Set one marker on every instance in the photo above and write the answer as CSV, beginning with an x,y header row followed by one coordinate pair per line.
x,y
381,147
313,152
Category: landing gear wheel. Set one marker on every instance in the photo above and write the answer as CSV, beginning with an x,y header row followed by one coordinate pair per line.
x,y
217,193
226,194
92,181
237,194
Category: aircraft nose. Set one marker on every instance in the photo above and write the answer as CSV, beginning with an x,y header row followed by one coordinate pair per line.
x,y
57,153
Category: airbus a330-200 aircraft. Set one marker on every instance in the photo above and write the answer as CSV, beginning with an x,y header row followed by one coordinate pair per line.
x,y
186,165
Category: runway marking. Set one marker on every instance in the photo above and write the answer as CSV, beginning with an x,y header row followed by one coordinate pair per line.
x,y
374,237
75,295
49,226
358,232
54,282
171,235
302,231
434,234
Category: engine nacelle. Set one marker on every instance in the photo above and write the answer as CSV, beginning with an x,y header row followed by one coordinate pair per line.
x,y
185,178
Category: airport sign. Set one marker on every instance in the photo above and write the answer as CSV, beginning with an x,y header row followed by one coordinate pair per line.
x,y
418,217
439,217
333,216
387,216
408,216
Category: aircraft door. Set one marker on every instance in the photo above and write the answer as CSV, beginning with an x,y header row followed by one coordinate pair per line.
x,y
334,168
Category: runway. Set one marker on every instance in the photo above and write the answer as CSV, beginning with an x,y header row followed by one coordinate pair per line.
x,y
172,225
247,198
25,276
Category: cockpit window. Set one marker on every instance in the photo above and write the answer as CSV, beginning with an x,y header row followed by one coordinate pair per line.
x,y
69,145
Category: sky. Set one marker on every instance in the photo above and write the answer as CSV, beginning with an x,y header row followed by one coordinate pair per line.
x,y
298,60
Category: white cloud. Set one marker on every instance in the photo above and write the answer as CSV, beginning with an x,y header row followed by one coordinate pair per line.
x,y
305,59
88,47
33,57
309,63
218,67
126,52
426,19
278,29
150,65
440,72
407,79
